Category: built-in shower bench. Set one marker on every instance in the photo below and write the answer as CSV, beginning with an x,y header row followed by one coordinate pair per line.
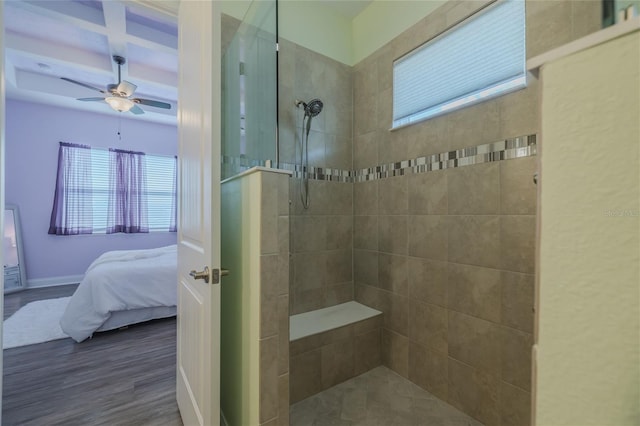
x,y
331,345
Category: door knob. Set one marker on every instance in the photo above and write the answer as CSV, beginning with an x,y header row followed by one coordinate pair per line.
x,y
202,275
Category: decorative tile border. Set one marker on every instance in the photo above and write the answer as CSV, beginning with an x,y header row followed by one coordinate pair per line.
x,y
522,146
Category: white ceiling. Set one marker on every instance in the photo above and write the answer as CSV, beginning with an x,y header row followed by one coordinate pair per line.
x,y
46,40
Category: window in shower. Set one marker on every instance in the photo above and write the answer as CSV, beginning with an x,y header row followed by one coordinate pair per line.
x,y
478,59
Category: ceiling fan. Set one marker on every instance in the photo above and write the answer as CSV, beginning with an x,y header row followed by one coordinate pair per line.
x,y
118,96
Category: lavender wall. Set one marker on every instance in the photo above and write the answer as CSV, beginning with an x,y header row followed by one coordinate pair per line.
x,y
32,135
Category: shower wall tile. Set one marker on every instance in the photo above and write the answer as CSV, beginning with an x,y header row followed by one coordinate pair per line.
x,y
517,300
515,406
318,198
396,316
308,300
268,379
516,358
428,369
338,152
393,196
269,214
309,233
338,267
365,269
519,111
339,293
480,122
365,197
586,18
309,270
475,190
283,334
427,139
428,193
368,351
283,403
544,28
395,352
392,232
475,342
392,273
428,326
476,291
365,232
339,198
517,190
474,391
428,281
337,362
518,243
365,151
461,9
385,111
269,324
475,240
429,237
306,375
364,117
372,296
339,231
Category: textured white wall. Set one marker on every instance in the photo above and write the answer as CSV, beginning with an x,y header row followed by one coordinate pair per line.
x,y
588,362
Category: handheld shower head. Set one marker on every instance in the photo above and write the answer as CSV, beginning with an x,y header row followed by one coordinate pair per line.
x,y
311,109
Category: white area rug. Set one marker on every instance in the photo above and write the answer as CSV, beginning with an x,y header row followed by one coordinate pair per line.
x,y
35,322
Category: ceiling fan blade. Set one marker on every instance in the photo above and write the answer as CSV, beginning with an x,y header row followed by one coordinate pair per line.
x,y
136,110
82,84
152,103
126,88
90,99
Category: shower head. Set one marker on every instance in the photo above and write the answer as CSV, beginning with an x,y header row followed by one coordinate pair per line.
x,y
311,109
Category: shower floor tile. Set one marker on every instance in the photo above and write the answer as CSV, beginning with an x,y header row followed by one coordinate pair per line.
x,y
379,397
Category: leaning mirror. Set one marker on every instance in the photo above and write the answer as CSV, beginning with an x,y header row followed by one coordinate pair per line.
x,y
15,277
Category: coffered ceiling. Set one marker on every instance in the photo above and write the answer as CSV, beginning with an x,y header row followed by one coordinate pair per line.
x,y
77,39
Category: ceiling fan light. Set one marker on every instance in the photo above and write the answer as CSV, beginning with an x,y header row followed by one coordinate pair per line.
x,y
120,104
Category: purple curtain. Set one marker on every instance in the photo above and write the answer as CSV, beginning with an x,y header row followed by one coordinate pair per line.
x,y
127,192
72,212
173,226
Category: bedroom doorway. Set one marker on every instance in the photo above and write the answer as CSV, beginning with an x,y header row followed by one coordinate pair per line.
x,y
198,237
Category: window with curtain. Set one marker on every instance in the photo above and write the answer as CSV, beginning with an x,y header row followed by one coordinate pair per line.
x,y
478,59
123,191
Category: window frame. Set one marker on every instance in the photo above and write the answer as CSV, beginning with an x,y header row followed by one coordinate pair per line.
x,y
458,102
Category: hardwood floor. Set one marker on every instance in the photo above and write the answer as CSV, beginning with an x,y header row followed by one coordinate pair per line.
x,y
122,377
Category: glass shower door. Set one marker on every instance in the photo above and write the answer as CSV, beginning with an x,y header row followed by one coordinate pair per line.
x,y
250,92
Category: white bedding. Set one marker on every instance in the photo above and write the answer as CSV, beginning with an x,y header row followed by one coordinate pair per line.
x,y
122,280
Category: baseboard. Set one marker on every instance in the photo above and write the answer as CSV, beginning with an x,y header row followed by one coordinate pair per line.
x,y
54,281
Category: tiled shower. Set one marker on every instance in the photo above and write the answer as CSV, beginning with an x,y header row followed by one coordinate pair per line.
x,y
445,251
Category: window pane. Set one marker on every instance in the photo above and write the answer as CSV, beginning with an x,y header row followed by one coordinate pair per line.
x,y
161,175
100,182
480,58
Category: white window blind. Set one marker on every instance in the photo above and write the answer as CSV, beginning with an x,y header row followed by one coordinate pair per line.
x,y
480,58
161,189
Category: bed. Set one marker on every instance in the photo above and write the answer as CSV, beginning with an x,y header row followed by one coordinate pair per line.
x,y
120,288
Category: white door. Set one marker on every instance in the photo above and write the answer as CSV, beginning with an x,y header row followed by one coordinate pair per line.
x,y
198,345
2,116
